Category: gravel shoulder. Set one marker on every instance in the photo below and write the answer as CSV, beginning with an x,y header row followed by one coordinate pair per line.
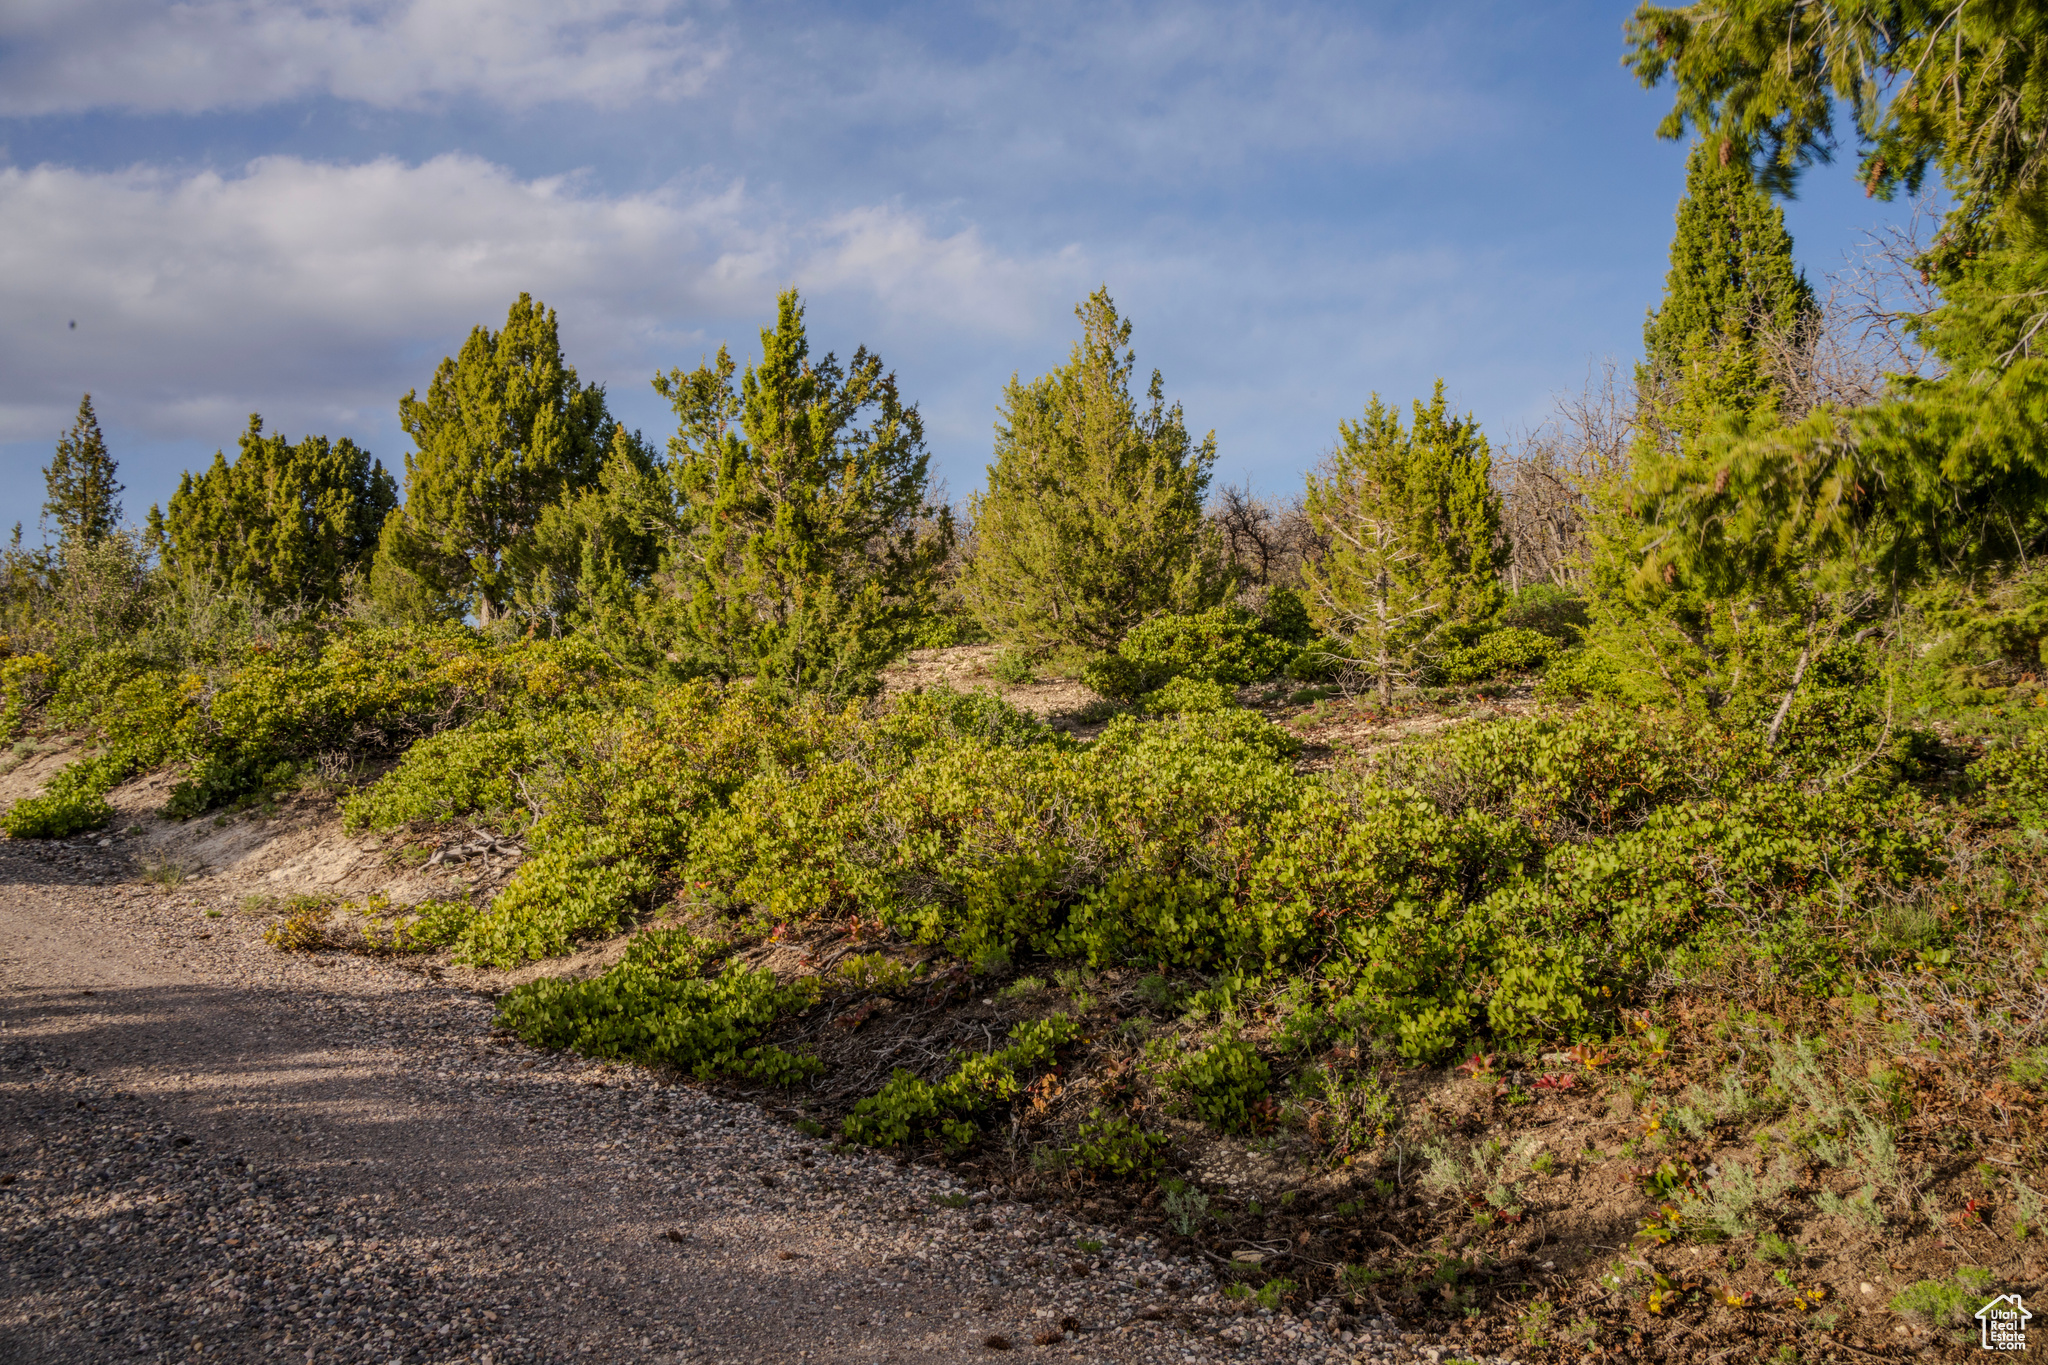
x,y
209,1149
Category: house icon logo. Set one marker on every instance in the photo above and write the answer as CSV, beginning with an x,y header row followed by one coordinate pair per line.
x,y
2004,1323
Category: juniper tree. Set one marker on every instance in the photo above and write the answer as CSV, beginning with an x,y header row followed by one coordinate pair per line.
x,y
1825,525
506,430
1953,472
1093,515
804,542
1732,278
290,522
1412,523
84,495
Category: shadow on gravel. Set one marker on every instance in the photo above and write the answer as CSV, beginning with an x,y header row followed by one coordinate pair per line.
x,y
243,1078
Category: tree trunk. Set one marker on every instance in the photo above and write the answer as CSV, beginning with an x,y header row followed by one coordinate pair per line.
x,y
1798,674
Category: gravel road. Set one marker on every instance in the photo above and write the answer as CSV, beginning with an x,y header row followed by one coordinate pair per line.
x,y
213,1151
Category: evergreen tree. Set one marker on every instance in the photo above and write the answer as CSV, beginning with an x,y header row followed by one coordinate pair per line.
x,y
85,497
290,522
1093,516
506,430
1732,277
804,543
1412,522
594,551
1945,473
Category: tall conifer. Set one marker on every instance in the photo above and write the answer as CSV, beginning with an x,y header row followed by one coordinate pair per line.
x,y
506,430
1732,278
84,495
288,521
1413,525
804,541
1093,515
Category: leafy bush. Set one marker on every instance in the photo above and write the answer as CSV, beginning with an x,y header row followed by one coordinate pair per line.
x,y
1185,695
25,684
1226,645
1012,666
1223,1081
303,929
72,802
649,1009
582,889
1511,650
1115,1144
1320,660
1546,608
910,1107
427,926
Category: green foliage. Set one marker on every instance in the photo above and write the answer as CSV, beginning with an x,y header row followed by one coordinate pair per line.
x,y
653,1008
80,597
1188,696
1769,78
1548,610
910,1107
805,545
1413,523
71,802
1226,645
84,494
1945,1303
1185,1206
1092,520
506,429
1223,1081
25,684
365,689
1513,649
1732,277
1941,474
288,523
2014,781
426,927
580,889
1116,1145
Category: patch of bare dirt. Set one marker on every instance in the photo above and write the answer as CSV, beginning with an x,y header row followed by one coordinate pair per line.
x,y
30,763
965,668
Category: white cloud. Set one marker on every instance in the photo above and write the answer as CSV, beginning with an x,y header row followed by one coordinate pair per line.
x,y
328,289
66,56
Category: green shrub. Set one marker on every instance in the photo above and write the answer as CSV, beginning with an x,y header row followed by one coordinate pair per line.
x,y
2013,781
1285,618
1514,649
1012,666
584,889
428,926
909,1107
1223,1081
475,770
647,1011
1319,661
1942,1303
1544,607
72,802
1225,645
25,684
1115,1144
1188,696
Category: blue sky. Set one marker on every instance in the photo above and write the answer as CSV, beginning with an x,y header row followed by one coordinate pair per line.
x,y
297,208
